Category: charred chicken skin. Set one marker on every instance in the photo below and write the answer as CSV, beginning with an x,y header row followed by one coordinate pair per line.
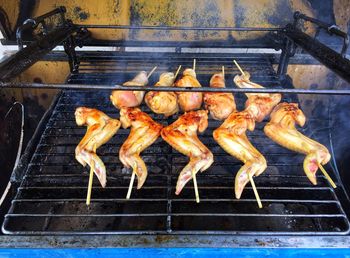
x,y
281,129
259,105
100,129
232,138
144,132
220,105
189,101
161,102
182,136
130,98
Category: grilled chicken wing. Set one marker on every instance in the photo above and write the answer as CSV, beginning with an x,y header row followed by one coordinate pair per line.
x,y
161,102
220,105
232,138
259,105
189,101
100,128
281,129
130,98
144,132
182,136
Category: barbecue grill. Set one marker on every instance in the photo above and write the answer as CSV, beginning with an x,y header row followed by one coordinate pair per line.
x,y
47,198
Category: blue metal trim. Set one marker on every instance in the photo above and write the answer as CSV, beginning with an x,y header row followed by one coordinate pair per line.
x,y
175,252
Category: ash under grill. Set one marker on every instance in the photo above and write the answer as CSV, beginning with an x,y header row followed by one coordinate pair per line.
x,y
51,198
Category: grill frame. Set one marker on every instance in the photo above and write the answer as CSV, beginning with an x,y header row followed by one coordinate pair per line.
x,y
168,231
172,240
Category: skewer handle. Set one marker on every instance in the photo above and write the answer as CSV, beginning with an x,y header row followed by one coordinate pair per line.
x,y
239,68
177,71
130,185
194,65
257,197
91,177
223,71
195,186
152,71
327,176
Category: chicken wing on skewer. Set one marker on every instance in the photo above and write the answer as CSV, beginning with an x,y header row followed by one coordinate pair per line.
x,y
182,136
220,105
232,138
259,105
281,129
161,102
100,129
130,98
189,101
144,132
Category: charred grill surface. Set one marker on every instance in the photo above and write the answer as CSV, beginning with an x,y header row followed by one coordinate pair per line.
x,y
51,198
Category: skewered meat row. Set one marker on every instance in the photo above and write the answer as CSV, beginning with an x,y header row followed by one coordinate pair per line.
x,y
161,102
130,98
259,105
100,129
232,138
281,129
220,105
189,101
144,132
182,136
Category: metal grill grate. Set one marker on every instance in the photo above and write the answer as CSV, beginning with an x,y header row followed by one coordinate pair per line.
x,y
51,198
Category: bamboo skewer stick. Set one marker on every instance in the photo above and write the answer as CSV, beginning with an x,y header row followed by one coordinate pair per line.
x,y
177,71
91,177
239,68
327,176
195,186
223,71
152,71
194,65
257,197
132,179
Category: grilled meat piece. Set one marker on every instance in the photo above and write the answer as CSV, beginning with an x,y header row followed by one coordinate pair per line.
x,y
232,138
259,105
161,102
189,101
220,105
144,132
130,98
281,129
100,129
182,136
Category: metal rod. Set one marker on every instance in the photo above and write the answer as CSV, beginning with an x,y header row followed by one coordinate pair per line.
x,y
166,88
95,26
321,52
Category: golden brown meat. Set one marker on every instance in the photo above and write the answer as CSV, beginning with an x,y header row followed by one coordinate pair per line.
x,y
130,98
161,102
144,132
100,128
220,105
232,138
189,101
281,129
182,136
259,105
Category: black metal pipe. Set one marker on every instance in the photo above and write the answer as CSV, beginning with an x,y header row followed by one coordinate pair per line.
x,y
177,89
321,52
33,22
330,28
26,57
124,27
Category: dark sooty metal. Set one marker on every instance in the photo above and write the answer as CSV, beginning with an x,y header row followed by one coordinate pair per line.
x,y
51,198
